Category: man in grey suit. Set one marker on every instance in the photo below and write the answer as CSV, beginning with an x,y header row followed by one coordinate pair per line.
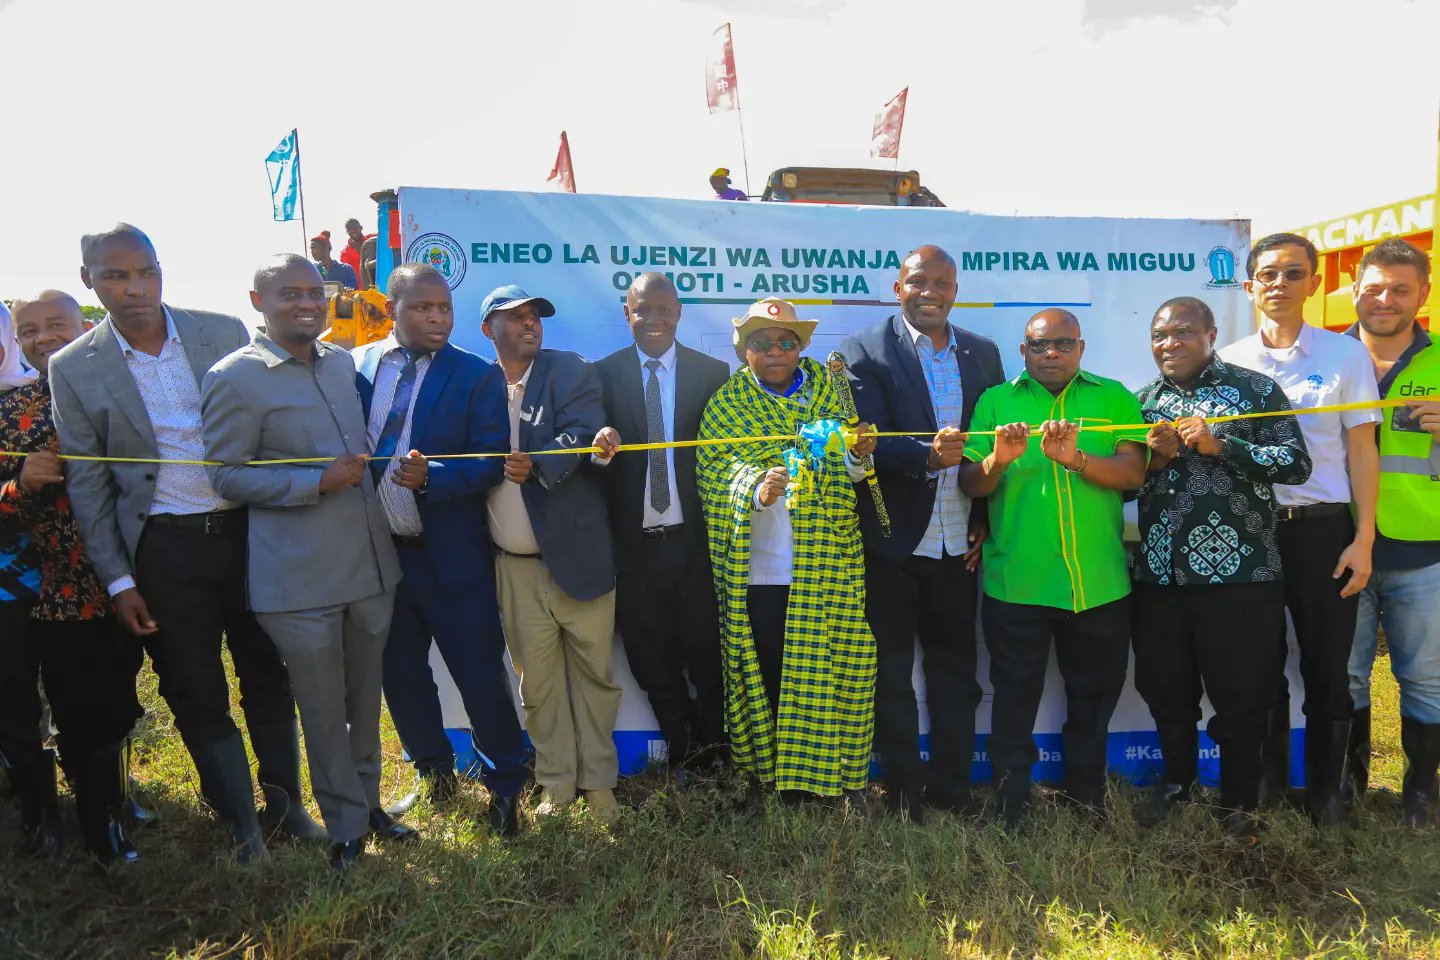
x,y
322,568
169,549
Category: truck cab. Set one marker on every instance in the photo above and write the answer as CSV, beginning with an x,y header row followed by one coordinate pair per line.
x,y
849,185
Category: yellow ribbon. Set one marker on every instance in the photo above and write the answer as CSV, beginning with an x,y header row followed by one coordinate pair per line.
x,y
851,437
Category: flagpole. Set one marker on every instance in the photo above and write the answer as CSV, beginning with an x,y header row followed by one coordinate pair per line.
x,y
744,154
300,190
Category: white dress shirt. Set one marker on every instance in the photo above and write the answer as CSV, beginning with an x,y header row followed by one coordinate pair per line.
x,y
771,539
665,373
172,402
399,502
1321,368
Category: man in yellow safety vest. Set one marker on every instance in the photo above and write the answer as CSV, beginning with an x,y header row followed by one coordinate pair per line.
x,y
1392,283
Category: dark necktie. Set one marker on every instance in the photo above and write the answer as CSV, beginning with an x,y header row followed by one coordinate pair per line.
x,y
395,419
655,425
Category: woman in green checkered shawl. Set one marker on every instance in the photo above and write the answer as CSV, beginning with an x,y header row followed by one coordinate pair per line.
x,y
799,659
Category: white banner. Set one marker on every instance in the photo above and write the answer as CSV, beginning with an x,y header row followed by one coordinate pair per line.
x,y
838,265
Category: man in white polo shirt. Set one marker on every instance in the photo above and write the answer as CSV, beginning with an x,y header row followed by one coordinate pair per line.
x,y
1326,525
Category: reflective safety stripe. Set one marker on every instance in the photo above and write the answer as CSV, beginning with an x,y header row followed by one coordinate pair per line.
x,y
1415,466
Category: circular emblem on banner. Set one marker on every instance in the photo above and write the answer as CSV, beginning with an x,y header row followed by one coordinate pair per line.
x,y
442,253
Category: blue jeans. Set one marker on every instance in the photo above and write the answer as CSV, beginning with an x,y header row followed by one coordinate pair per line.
x,y
1407,604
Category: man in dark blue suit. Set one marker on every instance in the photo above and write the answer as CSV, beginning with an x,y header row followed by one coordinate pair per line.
x,y
917,371
554,569
421,393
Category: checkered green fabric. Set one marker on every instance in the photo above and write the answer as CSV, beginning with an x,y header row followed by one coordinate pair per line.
x,y
821,740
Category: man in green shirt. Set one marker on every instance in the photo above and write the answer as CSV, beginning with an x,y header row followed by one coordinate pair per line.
x,y
1054,567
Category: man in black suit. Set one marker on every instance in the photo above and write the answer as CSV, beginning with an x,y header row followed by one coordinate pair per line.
x,y
665,595
917,371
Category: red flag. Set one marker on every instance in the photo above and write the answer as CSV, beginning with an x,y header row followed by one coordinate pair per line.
x,y
885,138
722,92
563,172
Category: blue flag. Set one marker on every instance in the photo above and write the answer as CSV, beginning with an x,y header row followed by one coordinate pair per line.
x,y
283,168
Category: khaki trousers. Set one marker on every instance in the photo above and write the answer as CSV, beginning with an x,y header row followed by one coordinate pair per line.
x,y
562,649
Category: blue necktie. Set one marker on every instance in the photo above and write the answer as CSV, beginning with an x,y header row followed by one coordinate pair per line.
x,y
395,419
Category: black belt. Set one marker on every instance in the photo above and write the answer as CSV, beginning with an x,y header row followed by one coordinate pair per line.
x,y
1311,511
414,542
522,556
663,533
218,522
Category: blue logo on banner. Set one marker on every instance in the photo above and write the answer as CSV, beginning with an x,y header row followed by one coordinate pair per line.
x,y
440,252
1222,269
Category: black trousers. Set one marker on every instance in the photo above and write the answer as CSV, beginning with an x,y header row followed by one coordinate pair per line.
x,y
767,606
1324,621
934,599
194,584
88,668
1093,650
1215,638
666,611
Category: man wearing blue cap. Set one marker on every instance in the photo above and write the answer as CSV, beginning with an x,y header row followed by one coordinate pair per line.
x,y
554,570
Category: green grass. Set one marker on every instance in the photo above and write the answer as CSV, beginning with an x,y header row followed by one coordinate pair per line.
x,y
687,876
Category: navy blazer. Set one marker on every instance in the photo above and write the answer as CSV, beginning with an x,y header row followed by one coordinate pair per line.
x,y
697,377
564,408
461,409
890,392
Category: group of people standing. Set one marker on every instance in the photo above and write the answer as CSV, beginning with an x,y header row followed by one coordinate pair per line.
x,y
273,493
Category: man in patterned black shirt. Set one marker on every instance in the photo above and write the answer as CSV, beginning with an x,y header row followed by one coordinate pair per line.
x,y
1208,596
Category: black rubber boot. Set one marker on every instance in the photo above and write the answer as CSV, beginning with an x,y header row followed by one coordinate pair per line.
x,y
277,749
35,788
1421,742
99,786
225,781
1356,779
1325,743
1275,756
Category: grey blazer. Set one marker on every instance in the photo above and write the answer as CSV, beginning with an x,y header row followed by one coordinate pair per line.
x,y
306,550
98,412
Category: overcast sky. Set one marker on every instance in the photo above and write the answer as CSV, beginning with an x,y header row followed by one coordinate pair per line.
x,y
161,113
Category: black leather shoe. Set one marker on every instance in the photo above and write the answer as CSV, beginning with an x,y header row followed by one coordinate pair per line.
x,y
504,815
385,828
440,786
1241,827
1162,802
344,855
905,805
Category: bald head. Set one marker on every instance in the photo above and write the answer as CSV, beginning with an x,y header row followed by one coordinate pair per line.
x,y
44,323
1053,322
926,253
50,300
1053,348
652,307
926,291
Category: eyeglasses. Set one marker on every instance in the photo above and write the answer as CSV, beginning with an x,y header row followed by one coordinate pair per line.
x,y
1290,274
763,344
1041,347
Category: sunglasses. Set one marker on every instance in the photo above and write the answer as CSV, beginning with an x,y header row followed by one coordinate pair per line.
x,y
1291,275
763,344
1040,347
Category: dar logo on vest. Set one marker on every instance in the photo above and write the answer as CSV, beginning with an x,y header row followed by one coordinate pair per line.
x,y
441,252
